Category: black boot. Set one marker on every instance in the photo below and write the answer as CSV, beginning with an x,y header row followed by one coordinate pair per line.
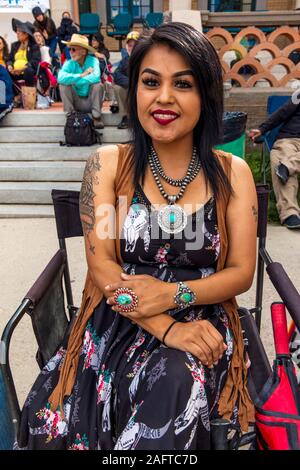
x,y
124,123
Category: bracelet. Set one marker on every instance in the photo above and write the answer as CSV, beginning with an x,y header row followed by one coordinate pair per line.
x,y
168,329
184,296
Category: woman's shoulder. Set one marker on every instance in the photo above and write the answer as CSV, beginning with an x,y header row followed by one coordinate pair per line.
x,y
233,161
113,155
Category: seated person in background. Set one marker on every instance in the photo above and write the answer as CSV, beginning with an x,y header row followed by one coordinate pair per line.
x,y
47,28
4,51
6,92
102,54
64,33
121,78
45,53
80,80
285,161
25,54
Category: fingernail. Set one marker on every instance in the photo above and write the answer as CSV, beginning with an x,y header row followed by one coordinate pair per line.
x,y
216,363
107,287
107,301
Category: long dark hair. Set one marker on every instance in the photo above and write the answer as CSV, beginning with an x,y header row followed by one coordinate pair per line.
x,y
204,62
5,49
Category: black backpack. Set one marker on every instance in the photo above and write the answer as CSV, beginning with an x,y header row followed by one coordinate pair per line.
x,y
80,130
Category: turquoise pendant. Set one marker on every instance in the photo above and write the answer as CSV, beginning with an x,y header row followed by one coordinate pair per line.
x,y
172,219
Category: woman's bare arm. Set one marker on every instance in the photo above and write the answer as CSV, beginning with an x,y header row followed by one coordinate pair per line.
x,y
97,193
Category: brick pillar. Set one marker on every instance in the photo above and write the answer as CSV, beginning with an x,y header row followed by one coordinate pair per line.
x,y
166,5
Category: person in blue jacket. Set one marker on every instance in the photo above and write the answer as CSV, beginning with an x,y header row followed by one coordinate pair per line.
x,y
121,78
80,80
6,92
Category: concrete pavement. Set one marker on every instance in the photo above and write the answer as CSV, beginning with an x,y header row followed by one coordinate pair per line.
x,y
26,245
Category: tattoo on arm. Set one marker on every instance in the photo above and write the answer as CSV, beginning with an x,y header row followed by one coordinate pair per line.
x,y
255,213
87,196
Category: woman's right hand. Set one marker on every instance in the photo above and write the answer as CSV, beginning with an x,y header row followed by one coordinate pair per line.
x,y
199,338
10,68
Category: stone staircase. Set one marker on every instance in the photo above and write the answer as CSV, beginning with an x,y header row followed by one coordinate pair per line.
x,y
32,162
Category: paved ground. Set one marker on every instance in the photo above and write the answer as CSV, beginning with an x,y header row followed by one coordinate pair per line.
x,y
27,245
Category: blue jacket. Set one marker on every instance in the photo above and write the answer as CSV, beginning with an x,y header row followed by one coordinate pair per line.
x,y
121,73
6,91
70,75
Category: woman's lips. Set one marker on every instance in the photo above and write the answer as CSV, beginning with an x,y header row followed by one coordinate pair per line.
x,y
164,119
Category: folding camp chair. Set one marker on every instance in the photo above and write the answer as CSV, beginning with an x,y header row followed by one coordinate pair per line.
x,y
120,25
268,139
89,23
153,20
45,304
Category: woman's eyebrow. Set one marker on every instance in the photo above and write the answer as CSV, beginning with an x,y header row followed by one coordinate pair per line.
x,y
177,74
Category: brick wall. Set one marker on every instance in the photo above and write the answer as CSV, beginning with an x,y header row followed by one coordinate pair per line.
x,y
280,5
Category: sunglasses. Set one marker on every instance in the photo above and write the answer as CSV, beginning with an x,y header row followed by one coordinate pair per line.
x,y
72,49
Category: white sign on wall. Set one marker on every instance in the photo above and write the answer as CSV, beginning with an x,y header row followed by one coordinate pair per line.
x,y
22,6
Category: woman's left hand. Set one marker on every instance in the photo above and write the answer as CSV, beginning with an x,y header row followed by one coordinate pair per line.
x,y
154,296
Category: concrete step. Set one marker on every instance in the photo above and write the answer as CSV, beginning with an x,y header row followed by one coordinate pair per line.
x,y
41,171
32,193
48,118
43,152
20,211
55,135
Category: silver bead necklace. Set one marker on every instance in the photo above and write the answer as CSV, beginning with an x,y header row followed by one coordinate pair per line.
x,y
172,219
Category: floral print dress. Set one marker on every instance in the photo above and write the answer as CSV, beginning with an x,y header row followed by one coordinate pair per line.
x,y
131,391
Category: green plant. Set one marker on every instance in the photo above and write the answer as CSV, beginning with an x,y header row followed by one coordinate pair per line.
x,y
253,158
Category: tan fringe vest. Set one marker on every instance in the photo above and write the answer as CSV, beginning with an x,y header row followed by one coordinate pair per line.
x,y
236,384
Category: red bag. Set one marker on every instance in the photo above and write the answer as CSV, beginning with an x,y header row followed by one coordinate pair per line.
x,y
278,405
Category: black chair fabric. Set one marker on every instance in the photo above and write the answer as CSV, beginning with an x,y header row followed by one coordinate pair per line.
x,y
67,216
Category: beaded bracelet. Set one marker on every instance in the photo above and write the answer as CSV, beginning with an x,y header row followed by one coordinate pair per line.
x,y
168,329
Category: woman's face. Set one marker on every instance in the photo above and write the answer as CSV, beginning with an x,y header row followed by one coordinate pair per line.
x,y
168,100
22,36
39,39
95,43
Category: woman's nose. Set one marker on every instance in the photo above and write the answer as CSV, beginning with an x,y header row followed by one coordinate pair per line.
x,y
165,94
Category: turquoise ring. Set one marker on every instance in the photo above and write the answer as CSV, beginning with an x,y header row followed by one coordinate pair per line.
x,y
126,299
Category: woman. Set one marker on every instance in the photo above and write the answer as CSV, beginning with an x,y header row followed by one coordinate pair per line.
x,y
158,316
64,33
97,42
47,28
45,54
24,59
4,51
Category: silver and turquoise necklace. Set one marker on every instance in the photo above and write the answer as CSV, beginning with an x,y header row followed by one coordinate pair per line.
x,y
172,218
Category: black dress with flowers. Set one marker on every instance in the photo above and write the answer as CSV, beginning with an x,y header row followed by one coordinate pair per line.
x,y
132,392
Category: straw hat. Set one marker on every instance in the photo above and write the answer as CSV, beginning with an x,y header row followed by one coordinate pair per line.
x,y
79,40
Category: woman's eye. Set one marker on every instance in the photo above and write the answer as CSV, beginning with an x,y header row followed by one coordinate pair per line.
x,y
150,81
183,84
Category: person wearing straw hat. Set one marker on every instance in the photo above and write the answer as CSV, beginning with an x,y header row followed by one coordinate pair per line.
x,y
79,80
